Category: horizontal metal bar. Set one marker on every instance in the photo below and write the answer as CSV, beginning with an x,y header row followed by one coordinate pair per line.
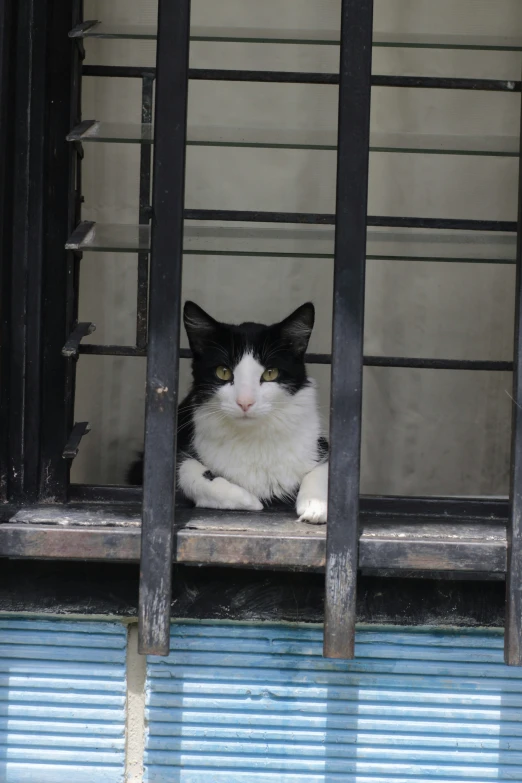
x,y
292,77
415,508
423,82
123,350
217,74
254,540
408,508
119,71
437,364
449,224
275,77
81,330
383,221
112,350
255,216
441,83
326,358
72,446
104,493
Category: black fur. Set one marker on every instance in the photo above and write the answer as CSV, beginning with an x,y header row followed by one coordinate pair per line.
x,y
323,448
135,472
282,345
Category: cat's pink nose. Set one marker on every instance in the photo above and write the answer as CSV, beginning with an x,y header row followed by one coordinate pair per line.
x,y
245,403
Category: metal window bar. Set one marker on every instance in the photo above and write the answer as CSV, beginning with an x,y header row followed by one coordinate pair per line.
x,y
342,541
37,279
157,535
513,633
289,77
27,247
412,363
147,92
6,173
61,267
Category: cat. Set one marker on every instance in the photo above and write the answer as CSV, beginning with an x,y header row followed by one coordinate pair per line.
x,y
249,431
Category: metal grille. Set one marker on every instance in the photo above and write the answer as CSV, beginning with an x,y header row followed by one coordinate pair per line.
x,y
42,338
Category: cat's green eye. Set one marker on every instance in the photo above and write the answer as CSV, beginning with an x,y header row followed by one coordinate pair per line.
x,y
270,374
223,373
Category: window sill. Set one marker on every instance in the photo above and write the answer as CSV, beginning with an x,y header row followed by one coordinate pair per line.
x,y
270,539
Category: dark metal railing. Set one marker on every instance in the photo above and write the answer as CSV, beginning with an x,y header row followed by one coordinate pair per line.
x,y
37,382
147,94
159,481
348,326
513,639
7,45
289,77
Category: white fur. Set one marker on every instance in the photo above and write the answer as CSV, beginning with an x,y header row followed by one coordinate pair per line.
x,y
264,398
312,499
218,493
266,450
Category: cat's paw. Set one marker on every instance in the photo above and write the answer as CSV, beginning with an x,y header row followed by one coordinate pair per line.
x,y
231,497
312,510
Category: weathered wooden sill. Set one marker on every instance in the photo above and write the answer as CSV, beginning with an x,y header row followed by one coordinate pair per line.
x,y
269,539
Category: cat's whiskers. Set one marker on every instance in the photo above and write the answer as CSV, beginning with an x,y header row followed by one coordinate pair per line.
x,y
201,415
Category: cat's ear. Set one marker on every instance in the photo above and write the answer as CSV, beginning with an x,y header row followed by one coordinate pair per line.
x,y
297,328
200,326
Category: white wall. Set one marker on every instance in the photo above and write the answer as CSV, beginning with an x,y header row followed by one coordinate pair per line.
x,y
423,431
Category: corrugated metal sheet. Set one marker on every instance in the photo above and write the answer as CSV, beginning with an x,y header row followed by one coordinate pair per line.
x,y
62,701
259,704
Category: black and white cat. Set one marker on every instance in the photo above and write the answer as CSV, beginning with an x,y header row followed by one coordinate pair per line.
x,y
249,431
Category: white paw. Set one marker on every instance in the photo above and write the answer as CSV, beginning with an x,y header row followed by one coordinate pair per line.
x,y
230,497
312,510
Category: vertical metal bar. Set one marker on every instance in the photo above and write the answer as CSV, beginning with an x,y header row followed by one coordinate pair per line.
x,y
6,185
27,250
348,322
513,635
40,274
164,327
144,216
59,270
75,215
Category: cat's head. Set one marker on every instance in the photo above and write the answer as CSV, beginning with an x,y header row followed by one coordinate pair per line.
x,y
248,371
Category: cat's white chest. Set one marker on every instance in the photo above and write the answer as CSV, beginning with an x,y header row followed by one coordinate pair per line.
x,y
269,458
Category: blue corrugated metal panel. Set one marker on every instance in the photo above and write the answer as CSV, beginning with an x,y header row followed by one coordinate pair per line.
x,y
258,704
62,701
